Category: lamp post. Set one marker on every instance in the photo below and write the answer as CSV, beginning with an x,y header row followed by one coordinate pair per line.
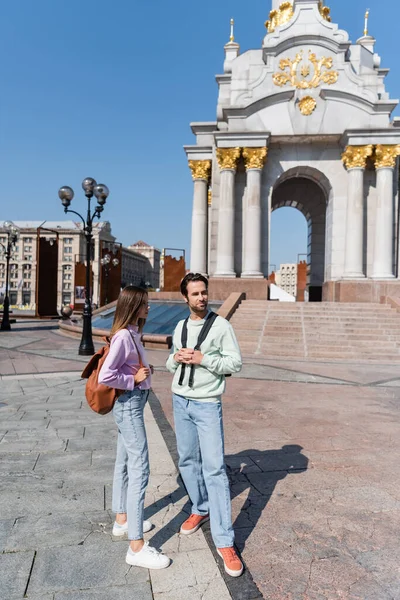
x,y
107,262
12,236
66,194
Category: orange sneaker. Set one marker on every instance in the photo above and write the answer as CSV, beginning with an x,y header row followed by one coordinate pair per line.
x,y
232,563
193,523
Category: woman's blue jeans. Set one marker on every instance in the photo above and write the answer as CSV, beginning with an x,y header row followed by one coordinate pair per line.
x,y
131,472
200,441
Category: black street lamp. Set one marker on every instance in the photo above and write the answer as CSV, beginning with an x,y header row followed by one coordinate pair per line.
x,y
12,237
100,191
107,262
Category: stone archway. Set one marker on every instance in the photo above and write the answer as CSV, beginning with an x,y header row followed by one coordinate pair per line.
x,y
307,190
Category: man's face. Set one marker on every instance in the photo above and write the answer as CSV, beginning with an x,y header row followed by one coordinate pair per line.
x,y
197,297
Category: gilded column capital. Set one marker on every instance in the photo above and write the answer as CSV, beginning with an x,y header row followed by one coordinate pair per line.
x,y
228,158
385,155
355,157
254,158
201,169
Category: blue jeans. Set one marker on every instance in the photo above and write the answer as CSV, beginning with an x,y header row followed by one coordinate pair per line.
x,y
131,471
200,440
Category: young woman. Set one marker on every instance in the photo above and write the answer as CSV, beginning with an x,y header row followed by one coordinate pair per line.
x,y
126,368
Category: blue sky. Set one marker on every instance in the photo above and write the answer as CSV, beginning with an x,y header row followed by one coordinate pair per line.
x,y
108,89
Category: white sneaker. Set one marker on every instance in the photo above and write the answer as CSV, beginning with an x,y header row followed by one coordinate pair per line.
x,y
147,557
120,530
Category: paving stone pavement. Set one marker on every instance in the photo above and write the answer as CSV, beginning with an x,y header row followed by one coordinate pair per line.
x,y
313,457
55,504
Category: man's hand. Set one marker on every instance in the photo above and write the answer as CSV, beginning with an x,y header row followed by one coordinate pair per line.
x,y
142,374
184,355
196,358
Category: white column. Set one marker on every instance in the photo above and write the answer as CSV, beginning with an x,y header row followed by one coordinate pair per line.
x,y
385,161
198,254
254,161
353,260
355,159
227,160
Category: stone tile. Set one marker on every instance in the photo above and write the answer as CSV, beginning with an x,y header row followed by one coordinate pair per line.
x,y
17,463
179,575
5,529
14,574
50,500
58,462
214,590
46,531
139,591
82,567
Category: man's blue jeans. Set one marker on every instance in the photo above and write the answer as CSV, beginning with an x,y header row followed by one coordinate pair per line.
x,y
131,472
200,441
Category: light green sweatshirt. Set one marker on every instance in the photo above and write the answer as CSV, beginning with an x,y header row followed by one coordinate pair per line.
x,y
221,357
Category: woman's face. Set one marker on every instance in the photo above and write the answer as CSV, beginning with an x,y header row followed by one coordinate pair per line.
x,y
144,308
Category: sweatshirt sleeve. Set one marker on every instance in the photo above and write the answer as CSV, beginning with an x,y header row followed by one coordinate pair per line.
x,y
110,373
228,360
171,363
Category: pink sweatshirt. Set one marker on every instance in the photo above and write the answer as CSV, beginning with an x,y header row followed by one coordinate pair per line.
x,y
122,361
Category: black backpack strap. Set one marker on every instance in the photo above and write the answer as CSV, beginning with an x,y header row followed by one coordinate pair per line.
x,y
205,330
184,340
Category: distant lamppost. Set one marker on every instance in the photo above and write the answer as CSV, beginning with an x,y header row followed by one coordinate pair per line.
x,y
12,237
100,191
107,263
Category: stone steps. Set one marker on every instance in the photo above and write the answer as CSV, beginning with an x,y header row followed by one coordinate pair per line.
x,y
336,331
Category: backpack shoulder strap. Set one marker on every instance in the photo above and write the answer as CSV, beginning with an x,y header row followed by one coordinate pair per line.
x,y
184,336
205,330
184,340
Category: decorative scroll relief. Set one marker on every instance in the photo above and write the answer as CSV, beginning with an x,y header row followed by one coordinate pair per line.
x,y
305,75
254,158
285,13
385,156
228,158
201,169
356,156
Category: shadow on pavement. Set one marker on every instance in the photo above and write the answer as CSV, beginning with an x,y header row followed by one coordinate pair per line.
x,y
258,471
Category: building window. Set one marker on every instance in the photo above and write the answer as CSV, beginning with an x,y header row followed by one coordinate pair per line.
x,y
26,298
27,240
67,240
27,249
68,250
27,285
13,298
66,298
67,258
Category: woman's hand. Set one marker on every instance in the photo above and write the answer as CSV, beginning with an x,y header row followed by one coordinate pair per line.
x,y
142,374
151,369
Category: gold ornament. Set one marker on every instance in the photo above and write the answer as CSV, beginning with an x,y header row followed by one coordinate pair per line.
x,y
254,158
228,158
280,16
201,169
285,13
209,197
385,155
307,105
356,156
318,77
325,11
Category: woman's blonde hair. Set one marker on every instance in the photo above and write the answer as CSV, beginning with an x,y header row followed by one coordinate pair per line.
x,y
129,303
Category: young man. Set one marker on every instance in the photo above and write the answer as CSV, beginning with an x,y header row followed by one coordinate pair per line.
x,y
199,382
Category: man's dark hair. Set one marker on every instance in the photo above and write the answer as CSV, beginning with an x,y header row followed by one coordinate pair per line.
x,y
192,277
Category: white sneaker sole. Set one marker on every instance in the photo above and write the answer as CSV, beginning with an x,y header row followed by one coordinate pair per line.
x,y
137,563
190,531
229,571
